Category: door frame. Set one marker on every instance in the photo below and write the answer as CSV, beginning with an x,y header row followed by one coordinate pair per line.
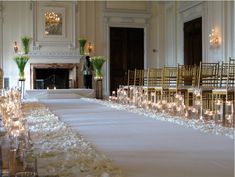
x,y
142,60
108,25
195,10
192,23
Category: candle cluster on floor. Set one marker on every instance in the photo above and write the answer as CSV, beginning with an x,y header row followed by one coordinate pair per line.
x,y
46,143
139,97
14,128
135,100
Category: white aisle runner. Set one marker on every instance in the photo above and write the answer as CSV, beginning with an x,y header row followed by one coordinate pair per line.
x,y
143,147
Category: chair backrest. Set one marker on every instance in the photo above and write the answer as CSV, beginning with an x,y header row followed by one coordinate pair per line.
x,y
187,75
138,80
131,77
145,77
222,74
231,74
208,75
169,77
155,77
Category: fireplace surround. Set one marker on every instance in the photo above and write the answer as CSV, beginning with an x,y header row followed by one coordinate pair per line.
x,y
54,75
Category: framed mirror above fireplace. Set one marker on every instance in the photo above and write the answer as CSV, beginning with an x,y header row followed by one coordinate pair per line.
x,y
60,36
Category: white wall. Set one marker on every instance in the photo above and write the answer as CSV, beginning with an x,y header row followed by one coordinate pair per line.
x,y
215,14
170,33
156,36
229,30
17,22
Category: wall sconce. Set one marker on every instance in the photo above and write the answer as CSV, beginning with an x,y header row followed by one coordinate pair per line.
x,y
214,39
16,47
90,48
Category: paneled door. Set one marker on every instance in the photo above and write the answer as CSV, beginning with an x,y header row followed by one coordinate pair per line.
x,y
193,42
126,52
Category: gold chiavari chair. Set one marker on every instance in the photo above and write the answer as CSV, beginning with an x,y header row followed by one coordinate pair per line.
x,y
134,77
207,80
169,83
231,80
145,77
153,83
138,84
144,89
186,81
130,82
224,93
221,78
139,77
130,77
190,96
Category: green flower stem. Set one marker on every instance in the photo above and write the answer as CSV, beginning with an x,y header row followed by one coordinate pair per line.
x,y
25,42
82,43
98,74
21,75
21,61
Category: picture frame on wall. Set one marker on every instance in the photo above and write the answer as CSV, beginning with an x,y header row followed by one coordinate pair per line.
x,y
53,22
54,26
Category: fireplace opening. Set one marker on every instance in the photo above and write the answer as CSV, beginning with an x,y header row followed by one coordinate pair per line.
x,y
52,78
54,75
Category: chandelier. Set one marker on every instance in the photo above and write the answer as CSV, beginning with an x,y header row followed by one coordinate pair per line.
x,y
52,18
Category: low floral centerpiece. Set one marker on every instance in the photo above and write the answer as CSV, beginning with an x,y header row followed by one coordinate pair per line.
x,y
97,62
22,58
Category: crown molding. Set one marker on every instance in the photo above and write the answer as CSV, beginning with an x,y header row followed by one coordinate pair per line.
x,y
54,54
127,15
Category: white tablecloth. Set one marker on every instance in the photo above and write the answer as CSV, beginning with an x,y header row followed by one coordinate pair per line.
x,y
143,147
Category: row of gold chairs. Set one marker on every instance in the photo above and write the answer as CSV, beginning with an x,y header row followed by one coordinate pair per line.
x,y
164,82
213,81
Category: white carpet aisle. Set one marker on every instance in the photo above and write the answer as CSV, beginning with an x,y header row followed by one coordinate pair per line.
x,y
143,147
59,93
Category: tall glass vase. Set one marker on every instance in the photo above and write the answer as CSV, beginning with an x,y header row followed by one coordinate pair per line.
x,y
25,41
97,62
26,49
82,43
21,75
98,74
21,61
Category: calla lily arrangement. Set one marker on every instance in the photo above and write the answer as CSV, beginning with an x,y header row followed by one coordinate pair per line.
x,y
82,43
22,59
97,62
25,41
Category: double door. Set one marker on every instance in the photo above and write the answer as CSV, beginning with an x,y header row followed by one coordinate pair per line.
x,y
126,52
